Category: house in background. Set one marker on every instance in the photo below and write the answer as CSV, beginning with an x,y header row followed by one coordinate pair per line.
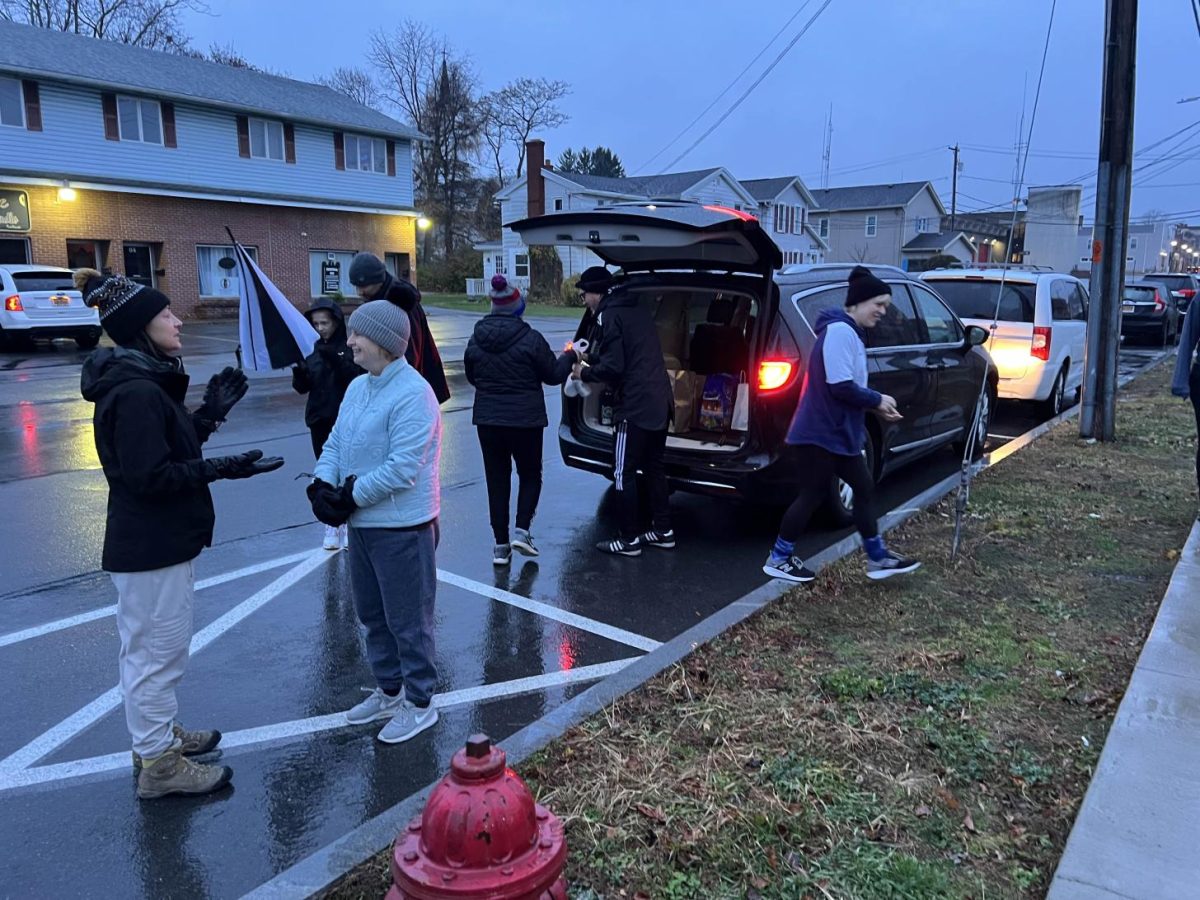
x,y
545,190
922,249
784,208
1052,227
878,223
1147,249
136,160
993,234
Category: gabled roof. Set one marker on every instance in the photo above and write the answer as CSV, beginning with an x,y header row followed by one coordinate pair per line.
x,y
815,237
765,190
872,196
49,55
934,242
663,187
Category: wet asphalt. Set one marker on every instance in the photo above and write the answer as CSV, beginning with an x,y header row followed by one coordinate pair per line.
x,y
281,652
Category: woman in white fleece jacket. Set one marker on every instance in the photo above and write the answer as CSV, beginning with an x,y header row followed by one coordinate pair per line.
x,y
379,467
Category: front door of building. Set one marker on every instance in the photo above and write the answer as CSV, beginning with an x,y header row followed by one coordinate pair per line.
x,y
398,264
139,263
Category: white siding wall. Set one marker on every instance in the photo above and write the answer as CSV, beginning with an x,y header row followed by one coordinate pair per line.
x,y
922,206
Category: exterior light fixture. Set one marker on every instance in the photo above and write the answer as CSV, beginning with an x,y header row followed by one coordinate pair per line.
x,y
67,195
423,223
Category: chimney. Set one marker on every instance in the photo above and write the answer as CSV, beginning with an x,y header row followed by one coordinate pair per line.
x,y
535,184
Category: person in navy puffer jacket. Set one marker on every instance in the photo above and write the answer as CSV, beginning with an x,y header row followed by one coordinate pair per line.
x,y
829,430
507,362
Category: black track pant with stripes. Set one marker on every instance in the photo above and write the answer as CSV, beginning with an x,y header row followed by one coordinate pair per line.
x,y
637,449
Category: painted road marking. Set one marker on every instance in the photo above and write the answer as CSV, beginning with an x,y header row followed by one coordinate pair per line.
x,y
111,699
25,634
285,731
620,635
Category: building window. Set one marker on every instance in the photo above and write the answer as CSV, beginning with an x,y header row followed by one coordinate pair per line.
x,y
558,204
797,220
14,250
922,224
824,227
266,139
218,270
12,103
87,254
1133,243
521,265
872,225
366,154
399,264
329,272
139,120
501,264
785,218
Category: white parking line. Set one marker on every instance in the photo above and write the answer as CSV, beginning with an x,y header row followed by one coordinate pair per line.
x,y
620,635
25,634
111,699
284,731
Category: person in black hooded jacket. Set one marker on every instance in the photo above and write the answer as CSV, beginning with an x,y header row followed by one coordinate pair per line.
x,y
507,361
160,515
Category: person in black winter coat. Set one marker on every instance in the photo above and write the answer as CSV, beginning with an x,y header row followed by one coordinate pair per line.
x,y
373,281
507,362
160,515
626,355
324,376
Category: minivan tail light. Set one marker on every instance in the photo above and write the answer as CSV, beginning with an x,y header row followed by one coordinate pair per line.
x,y
13,304
1040,348
1188,293
774,374
1159,303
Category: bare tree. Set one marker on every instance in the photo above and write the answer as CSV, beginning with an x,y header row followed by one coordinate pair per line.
x,y
154,24
493,132
355,83
518,109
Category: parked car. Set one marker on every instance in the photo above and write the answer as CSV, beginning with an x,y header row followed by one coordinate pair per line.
x,y
1182,284
708,275
42,302
1149,310
1040,321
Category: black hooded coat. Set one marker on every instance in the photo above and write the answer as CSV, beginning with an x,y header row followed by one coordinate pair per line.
x,y
327,371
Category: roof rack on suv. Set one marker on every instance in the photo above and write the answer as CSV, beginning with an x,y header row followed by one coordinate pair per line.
x,y
1016,267
801,268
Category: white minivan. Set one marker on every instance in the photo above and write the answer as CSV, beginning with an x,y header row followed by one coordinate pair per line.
x,y
1040,327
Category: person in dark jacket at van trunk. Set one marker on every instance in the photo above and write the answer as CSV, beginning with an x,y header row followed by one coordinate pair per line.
x,y
507,362
1186,380
829,430
373,281
324,376
626,355
160,515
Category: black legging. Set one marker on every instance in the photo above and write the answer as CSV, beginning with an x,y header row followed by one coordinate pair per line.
x,y
319,431
1194,394
502,446
817,467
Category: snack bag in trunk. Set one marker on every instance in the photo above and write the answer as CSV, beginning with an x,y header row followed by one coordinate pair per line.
x,y
716,403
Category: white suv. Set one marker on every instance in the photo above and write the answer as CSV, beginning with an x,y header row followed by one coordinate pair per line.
x,y
41,301
1040,327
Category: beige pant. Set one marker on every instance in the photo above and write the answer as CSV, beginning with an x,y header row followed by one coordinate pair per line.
x,y
154,619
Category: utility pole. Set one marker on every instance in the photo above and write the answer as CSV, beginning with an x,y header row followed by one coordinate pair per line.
x,y
954,191
1113,185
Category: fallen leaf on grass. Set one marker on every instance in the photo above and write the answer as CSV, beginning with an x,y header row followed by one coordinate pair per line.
x,y
652,812
948,798
923,811
969,824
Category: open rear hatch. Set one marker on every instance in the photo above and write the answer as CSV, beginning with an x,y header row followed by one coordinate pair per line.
x,y
705,275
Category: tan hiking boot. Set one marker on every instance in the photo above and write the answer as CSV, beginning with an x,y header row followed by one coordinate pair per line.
x,y
194,743
174,773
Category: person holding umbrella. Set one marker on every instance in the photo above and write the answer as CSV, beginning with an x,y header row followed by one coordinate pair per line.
x,y
160,515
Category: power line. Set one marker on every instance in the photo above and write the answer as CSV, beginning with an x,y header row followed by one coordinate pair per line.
x,y
728,87
750,89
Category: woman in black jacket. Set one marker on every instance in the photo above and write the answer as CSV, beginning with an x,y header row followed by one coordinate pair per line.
x,y
160,515
507,362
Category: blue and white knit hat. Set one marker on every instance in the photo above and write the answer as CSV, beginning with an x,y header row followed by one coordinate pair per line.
x,y
126,307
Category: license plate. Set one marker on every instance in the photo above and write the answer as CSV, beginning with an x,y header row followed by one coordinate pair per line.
x,y
1126,307
60,300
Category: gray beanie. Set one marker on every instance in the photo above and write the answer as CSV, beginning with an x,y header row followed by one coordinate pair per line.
x,y
384,323
367,268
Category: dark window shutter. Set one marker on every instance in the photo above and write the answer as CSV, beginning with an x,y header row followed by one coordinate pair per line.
x,y
168,124
289,142
109,103
339,150
33,105
243,127
391,157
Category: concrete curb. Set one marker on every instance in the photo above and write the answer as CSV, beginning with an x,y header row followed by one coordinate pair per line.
x,y
1134,836
325,866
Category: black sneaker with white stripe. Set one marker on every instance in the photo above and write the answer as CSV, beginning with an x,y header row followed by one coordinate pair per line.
x,y
892,564
662,539
791,569
619,547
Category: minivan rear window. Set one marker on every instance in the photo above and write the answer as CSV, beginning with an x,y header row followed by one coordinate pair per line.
x,y
1138,294
977,299
43,281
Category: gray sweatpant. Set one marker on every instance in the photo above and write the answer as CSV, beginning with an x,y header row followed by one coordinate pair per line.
x,y
154,619
393,572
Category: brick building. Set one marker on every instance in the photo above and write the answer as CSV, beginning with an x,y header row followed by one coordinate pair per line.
x,y
137,161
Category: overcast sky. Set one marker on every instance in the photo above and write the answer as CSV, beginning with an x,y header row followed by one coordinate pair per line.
x,y
906,79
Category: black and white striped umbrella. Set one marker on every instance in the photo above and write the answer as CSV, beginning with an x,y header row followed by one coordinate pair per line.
x,y
274,334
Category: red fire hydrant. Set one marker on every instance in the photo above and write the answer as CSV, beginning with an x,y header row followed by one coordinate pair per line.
x,y
481,837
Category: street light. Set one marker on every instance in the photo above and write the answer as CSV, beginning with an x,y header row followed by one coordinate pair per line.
x,y
423,223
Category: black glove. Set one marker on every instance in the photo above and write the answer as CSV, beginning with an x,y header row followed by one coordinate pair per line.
x,y
224,390
244,465
332,505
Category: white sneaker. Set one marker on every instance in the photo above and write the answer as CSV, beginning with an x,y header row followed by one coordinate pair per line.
x,y
377,706
408,722
332,541
344,536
